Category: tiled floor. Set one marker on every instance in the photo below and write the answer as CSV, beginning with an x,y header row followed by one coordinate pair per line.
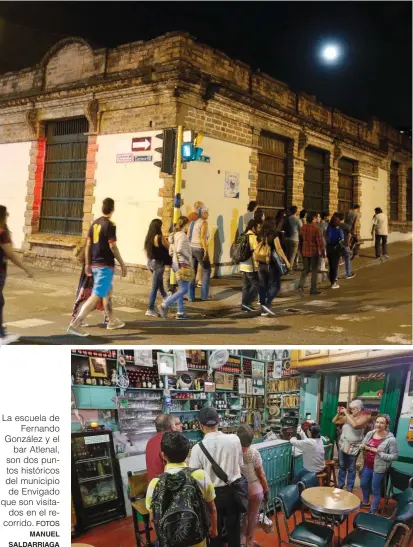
x,y
121,534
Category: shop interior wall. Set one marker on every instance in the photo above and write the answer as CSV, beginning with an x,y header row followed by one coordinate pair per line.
x,y
309,397
14,166
205,182
405,447
135,188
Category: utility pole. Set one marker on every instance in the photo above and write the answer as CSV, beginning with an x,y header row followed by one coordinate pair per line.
x,y
178,185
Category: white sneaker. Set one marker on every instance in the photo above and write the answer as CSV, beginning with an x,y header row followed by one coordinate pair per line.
x,y
267,310
9,339
151,313
115,324
335,286
77,331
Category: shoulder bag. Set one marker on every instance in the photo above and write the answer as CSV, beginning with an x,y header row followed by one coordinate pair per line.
x,y
185,272
239,487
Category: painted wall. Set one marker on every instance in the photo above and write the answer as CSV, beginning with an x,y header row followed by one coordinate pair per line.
x,y
134,186
205,182
405,447
373,194
14,174
309,396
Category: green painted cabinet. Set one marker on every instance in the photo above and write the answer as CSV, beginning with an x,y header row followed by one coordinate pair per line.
x,y
95,397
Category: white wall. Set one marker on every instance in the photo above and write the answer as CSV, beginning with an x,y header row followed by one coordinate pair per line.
x,y
373,194
205,182
14,174
134,187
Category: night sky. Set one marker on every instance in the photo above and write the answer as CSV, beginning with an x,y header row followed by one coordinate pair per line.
x,y
279,38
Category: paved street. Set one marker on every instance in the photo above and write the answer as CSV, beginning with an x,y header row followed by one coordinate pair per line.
x,y
373,308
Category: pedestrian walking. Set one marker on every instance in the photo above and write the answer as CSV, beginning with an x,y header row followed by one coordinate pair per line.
x,y
311,247
345,244
224,450
157,253
380,451
100,254
352,219
192,217
334,238
259,216
292,227
249,270
325,217
199,238
258,489
279,226
249,215
380,231
303,216
269,275
353,423
180,251
7,253
84,290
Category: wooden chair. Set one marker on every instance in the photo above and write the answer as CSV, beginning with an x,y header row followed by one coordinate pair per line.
x,y
137,486
330,469
322,478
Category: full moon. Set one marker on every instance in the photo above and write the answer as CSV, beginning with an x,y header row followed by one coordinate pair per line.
x,y
330,53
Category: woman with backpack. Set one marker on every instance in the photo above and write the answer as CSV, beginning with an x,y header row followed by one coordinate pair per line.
x,y
269,274
258,489
334,236
156,249
180,251
248,266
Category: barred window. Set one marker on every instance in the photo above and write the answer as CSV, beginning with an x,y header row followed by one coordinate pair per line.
x,y
346,169
64,177
272,173
394,191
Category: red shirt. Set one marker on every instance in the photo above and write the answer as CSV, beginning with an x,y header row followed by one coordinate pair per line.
x,y
154,463
193,216
369,459
311,241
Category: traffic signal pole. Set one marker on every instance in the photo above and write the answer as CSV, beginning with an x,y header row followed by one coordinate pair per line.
x,y
178,185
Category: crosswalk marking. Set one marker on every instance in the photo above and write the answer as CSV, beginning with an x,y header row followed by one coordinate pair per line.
x,y
29,323
127,309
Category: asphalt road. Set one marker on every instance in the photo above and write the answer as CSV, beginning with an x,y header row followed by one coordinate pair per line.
x,y
373,308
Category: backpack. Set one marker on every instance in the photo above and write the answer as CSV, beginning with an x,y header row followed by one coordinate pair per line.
x,y
333,236
179,510
242,249
262,252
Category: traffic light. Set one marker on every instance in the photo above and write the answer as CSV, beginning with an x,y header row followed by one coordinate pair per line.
x,y
168,151
190,149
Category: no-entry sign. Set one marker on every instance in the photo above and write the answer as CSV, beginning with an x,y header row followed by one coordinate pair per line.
x,y
141,144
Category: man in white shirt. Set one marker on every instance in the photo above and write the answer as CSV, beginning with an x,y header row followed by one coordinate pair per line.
x,y
381,230
227,452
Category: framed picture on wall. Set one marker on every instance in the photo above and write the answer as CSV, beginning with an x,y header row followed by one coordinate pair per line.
x,y
98,367
311,353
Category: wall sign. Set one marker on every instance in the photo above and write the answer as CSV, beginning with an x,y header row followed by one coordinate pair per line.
x,y
142,158
141,144
231,184
124,158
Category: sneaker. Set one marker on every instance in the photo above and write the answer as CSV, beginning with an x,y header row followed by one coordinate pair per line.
x,y
8,339
162,311
315,293
115,324
199,285
244,307
84,324
207,299
386,256
265,314
77,331
151,313
301,292
268,310
181,316
365,504
350,276
335,286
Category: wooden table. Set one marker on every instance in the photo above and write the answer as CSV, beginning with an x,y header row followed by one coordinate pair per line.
x,y
330,500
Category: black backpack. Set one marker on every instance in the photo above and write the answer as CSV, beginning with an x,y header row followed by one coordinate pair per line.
x,y
242,249
180,513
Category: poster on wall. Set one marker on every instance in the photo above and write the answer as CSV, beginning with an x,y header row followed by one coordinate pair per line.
x,y
143,357
277,370
231,185
224,381
258,373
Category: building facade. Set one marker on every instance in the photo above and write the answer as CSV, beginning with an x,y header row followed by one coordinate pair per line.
x,y
84,124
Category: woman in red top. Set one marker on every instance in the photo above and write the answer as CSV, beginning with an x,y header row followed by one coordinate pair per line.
x,y
380,450
6,253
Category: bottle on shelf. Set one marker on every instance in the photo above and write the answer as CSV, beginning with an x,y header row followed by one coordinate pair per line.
x,y
144,382
149,383
160,383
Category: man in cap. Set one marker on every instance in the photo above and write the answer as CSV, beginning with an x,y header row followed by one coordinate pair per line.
x,y
353,422
198,236
227,452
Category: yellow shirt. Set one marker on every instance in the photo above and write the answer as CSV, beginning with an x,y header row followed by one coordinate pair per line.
x,y
204,482
250,265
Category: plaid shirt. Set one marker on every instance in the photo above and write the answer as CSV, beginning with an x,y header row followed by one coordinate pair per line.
x,y
311,241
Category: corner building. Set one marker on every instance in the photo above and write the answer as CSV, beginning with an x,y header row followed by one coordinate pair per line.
x,y
66,130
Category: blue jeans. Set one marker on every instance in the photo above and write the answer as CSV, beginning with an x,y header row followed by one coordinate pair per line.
x,y
178,296
371,482
2,283
157,270
346,466
270,283
198,258
347,260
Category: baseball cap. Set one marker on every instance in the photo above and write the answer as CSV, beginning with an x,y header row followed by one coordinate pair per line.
x,y
209,417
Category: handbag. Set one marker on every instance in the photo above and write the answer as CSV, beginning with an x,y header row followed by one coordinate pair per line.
x,y
185,273
239,487
279,262
264,522
262,252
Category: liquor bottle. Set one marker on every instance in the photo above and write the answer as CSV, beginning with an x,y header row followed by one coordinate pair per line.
x,y
160,383
79,376
149,383
144,382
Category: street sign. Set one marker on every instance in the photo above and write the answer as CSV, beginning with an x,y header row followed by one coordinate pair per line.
x,y
142,158
141,144
124,158
205,159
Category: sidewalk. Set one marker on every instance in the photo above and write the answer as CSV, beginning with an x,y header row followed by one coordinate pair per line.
x,y
225,291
